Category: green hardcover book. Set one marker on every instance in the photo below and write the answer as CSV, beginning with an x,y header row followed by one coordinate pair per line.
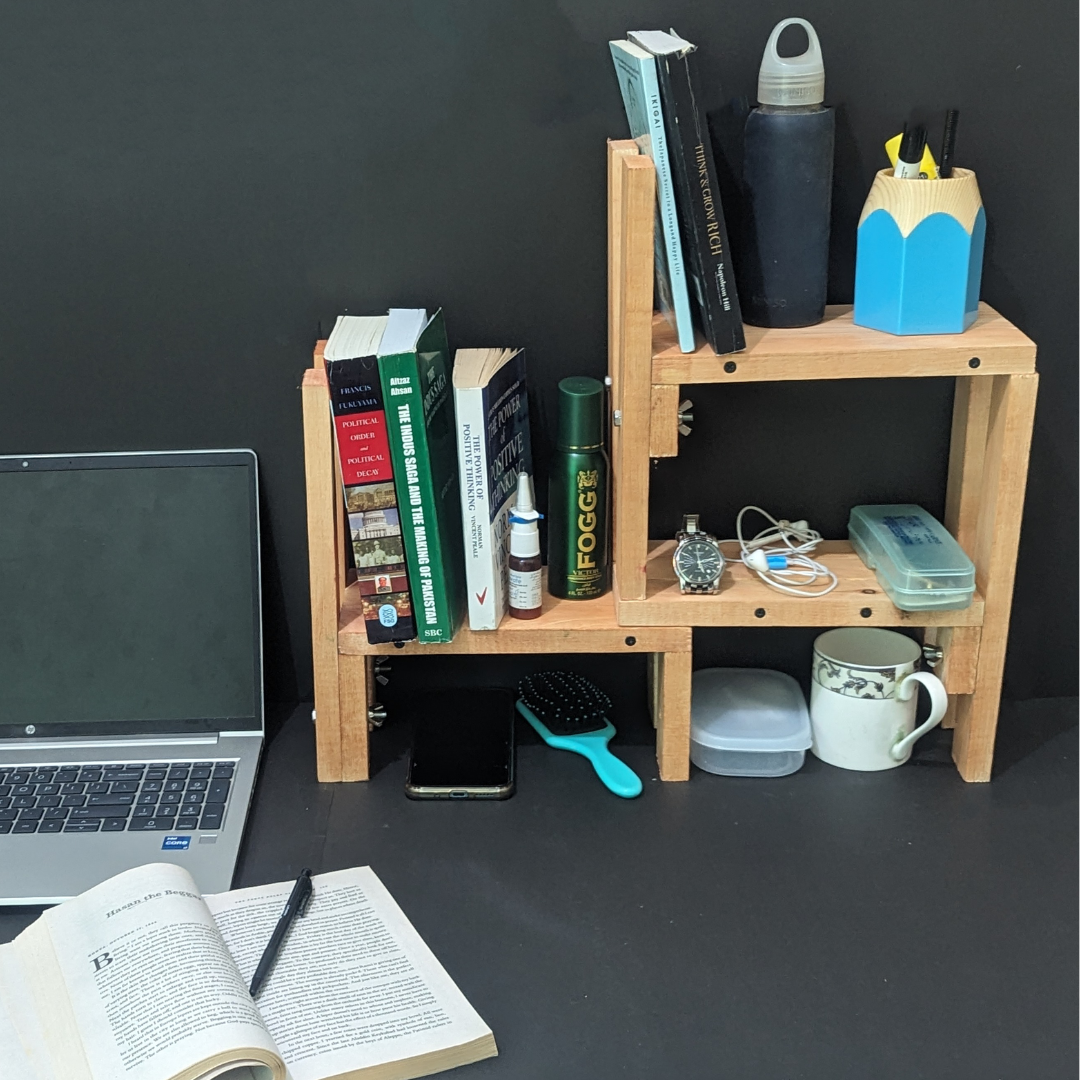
x,y
414,369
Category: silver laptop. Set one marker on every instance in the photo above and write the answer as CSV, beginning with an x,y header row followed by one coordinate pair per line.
x,y
131,697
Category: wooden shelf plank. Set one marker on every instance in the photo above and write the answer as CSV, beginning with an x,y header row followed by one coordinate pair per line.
x,y
564,626
742,595
838,349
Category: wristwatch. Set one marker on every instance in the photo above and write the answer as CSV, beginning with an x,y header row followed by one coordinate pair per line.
x,y
698,560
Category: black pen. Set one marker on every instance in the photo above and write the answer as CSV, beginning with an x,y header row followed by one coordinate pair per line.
x,y
948,144
909,156
295,906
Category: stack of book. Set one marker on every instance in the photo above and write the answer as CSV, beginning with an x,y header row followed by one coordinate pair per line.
x,y
694,273
424,533
389,378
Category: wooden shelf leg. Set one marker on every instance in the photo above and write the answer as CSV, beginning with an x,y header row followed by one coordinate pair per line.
x,y
997,505
323,495
632,395
356,686
672,718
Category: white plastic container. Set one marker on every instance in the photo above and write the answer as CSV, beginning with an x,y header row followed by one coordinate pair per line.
x,y
747,722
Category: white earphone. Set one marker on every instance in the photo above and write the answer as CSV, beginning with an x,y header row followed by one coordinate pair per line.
x,y
780,556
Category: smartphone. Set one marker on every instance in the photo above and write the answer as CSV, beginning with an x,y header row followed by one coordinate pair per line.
x,y
462,745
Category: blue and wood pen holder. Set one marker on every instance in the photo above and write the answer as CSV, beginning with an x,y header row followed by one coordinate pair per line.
x,y
918,263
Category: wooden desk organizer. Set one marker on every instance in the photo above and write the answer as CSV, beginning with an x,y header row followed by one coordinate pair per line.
x,y
993,365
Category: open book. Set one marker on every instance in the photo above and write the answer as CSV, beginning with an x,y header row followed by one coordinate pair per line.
x,y
141,978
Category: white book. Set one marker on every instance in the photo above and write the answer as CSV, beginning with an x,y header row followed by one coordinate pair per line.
x,y
491,407
143,978
640,88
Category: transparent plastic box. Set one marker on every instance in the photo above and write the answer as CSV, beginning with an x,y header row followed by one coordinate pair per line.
x,y
916,560
747,722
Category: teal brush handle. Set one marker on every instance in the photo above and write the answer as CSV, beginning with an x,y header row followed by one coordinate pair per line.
x,y
614,774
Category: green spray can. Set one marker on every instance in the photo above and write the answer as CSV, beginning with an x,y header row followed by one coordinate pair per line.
x,y
579,561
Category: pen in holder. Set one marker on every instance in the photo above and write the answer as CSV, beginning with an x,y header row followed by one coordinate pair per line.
x,y
918,263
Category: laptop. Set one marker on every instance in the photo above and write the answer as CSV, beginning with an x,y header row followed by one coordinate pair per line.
x,y
131,696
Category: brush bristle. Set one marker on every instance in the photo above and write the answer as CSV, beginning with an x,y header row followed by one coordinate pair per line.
x,y
566,703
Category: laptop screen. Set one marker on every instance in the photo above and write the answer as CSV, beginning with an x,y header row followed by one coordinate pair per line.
x,y
129,594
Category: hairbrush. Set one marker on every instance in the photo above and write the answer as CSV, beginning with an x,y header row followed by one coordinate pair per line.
x,y
569,712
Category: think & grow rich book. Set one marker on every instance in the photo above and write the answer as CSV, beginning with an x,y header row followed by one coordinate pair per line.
x,y
491,405
143,978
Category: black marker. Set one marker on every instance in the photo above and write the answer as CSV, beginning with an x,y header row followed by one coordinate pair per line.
x,y
948,144
909,157
295,906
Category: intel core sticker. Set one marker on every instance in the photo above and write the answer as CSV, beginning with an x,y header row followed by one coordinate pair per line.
x,y
388,615
176,843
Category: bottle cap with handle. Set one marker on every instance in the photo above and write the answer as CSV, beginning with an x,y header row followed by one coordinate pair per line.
x,y
792,80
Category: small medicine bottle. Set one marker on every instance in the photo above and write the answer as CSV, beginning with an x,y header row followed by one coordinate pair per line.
x,y
526,599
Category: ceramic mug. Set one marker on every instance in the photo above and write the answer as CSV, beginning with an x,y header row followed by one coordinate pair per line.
x,y
863,698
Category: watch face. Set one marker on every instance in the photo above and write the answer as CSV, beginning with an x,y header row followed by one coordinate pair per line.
x,y
699,562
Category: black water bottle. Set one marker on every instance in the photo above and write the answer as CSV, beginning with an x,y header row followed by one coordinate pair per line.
x,y
787,186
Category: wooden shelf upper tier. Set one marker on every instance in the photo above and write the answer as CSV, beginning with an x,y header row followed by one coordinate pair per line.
x,y
564,626
857,601
838,349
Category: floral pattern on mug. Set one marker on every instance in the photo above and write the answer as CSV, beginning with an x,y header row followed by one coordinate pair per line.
x,y
859,682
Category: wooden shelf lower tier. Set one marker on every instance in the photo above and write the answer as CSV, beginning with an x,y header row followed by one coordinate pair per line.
x,y
564,626
743,600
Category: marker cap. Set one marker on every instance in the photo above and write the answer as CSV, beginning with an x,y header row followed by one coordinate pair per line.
x,y
792,80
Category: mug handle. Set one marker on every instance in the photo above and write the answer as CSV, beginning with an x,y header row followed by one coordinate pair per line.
x,y
939,703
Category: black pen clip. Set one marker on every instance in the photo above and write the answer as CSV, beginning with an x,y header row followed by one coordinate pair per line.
x,y
301,910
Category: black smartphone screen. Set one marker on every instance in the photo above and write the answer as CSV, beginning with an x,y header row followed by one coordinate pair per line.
x,y
463,741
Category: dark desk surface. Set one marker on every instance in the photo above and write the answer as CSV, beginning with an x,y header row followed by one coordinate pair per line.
x,y
828,925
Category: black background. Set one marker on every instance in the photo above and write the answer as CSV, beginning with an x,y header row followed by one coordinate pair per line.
x,y
189,192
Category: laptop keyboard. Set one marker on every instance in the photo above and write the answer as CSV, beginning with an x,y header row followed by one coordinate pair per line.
x,y
155,797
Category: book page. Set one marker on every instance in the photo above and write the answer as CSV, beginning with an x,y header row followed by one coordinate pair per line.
x,y
354,985
16,1062
22,1038
136,970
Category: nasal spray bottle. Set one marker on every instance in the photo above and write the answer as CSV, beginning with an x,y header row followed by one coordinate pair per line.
x,y
526,599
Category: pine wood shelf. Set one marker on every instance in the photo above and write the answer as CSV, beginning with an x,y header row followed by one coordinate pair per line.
x,y
743,600
564,626
993,365
838,349
344,660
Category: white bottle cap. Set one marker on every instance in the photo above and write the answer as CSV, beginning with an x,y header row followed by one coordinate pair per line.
x,y
524,532
792,80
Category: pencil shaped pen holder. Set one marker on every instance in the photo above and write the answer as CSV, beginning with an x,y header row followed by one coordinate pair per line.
x,y
918,263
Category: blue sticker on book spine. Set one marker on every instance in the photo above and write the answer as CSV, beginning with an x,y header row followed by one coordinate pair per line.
x,y
176,843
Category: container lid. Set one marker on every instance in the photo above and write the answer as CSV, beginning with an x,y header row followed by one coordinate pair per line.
x,y
581,413
792,80
748,709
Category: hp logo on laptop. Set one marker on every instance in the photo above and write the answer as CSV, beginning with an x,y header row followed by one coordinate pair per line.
x,y
30,729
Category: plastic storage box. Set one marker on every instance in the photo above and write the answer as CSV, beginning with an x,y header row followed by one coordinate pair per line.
x,y
747,722
916,560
